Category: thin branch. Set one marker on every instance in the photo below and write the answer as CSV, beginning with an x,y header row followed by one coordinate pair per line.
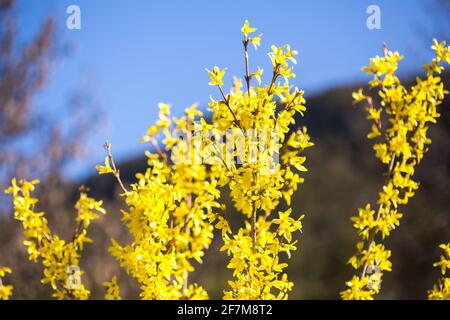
x,y
254,227
116,171
78,229
378,122
219,155
188,199
158,150
236,122
79,226
254,215
247,72
286,107
275,75
371,239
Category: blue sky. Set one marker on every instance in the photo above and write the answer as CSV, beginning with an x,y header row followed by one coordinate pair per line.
x,y
138,53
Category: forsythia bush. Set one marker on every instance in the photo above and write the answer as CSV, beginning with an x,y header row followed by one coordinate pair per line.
x,y
401,122
258,184
441,290
59,258
175,204
5,291
168,215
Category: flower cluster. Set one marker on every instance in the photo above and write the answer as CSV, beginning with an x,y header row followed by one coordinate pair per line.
x,y
168,213
113,290
59,258
401,122
260,182
441,290
5,290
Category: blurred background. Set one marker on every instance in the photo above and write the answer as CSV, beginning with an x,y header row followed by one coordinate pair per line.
x,y
64,91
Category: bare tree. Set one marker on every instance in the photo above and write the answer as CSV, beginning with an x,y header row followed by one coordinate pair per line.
x,y
33,142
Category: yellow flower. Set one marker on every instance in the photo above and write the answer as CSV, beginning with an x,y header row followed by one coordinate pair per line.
x,y
164,109
104,169
441,290
5,291
246,29
258,75
256,41
113,290
216,76
358,96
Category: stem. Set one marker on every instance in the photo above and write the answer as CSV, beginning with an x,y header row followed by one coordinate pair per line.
x,y
272,83
79,226
378,122
274,78
188,199
254,228
371,239
219,155
77,229
158,150
247,72
254,214
116,172
186,281
236,122
286,107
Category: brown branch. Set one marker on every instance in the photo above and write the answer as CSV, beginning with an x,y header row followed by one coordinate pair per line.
x,y
158,150
116,171
188,199
78,229
254,227
275,75
247,72
371,239
254,215
378,123
79,226
236,122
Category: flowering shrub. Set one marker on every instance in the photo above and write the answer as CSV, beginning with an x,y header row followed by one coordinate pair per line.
x,y
5,290
167,217
259,183
441,290
401,122
60,259
175,204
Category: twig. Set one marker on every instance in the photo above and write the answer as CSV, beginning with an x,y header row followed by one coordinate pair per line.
x,y
254,227
78,228
275,75
380,208
188,199
247,72
116,171
378,122
155,145
236,122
